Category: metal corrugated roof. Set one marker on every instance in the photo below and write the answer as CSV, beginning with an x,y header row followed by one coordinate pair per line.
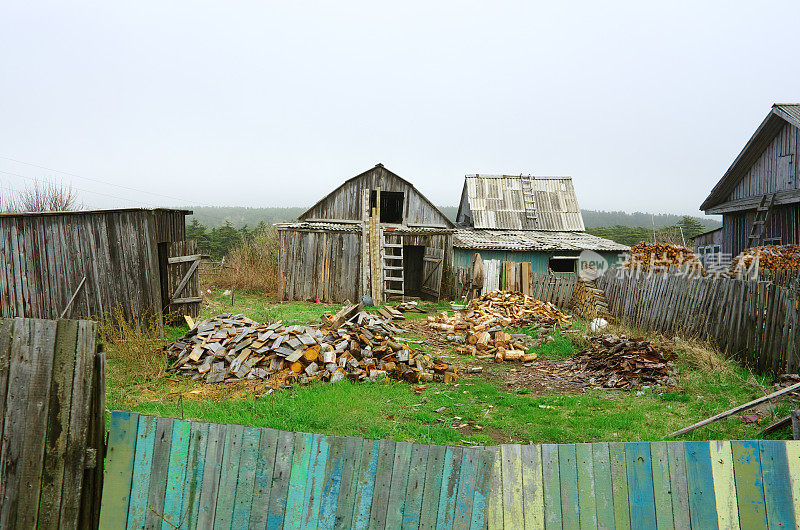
x,y
532,240
497,201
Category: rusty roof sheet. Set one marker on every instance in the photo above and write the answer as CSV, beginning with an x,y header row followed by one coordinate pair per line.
x,y
498,201
533,240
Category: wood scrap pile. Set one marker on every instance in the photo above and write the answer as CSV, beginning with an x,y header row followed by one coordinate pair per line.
x,y
364,347
484,319
661,257
770,257
620,362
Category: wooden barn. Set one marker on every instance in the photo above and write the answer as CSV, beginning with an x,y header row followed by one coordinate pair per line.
x,y
374,234
88,263
759,196
524,219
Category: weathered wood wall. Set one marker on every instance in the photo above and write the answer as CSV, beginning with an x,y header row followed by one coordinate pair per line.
x,y
44,257
776,169
784,222
344,203
52,406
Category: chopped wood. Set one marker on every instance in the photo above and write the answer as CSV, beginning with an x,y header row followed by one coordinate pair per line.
x,y
661,257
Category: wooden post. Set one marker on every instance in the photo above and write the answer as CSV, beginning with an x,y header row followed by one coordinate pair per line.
x,y
365,286
796,424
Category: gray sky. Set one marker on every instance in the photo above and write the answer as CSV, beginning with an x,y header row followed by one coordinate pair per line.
x,y
274,104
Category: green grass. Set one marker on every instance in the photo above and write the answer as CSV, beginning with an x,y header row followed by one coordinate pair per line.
x,y
492,412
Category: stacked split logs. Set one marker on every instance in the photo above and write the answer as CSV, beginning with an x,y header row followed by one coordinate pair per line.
x,y
770,257
484,319
588,301
661,257
233,348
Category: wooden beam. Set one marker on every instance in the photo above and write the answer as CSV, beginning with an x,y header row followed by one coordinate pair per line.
x,y
751,203
184,281
184,259
72,299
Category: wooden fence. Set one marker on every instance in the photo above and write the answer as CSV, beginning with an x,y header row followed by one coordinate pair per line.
x,y
755,322
513,276
52,405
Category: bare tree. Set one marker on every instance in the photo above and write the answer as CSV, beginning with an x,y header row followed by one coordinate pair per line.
x,y
43,196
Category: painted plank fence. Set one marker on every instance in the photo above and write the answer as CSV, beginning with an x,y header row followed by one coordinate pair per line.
x,y
176,473
52,388
755,322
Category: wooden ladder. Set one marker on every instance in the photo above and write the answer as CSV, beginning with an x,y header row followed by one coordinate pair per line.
x,y
758,230
529,199
393,278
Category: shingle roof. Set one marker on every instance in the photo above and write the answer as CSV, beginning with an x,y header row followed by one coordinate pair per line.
x,y
531,240
498,201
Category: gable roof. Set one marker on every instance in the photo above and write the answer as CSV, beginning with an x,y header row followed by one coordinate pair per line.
x,y
779,115
304,215
498,202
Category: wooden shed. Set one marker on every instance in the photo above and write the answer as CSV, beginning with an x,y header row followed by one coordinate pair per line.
x,y
87,263
374,234
759,195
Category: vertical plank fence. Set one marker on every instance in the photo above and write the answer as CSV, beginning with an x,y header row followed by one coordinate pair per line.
x,y
756,322
52,388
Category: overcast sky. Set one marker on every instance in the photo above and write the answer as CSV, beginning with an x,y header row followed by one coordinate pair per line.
x,y
274,104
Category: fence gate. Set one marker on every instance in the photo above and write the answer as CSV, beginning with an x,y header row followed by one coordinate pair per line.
x,y
52,407
183,283
432,271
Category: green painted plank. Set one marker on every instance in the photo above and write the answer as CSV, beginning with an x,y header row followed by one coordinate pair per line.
x,y
383,483
619,485
702,505
245,483
568,473
604,494
511,459
298,477
397,489
198,442
332,482
229,476
447,495
118,472
279,489
416,483
262,482
209,485
483,480
494,501
316,481
158,473
662,489
433,486
462,514
777,486
551,482
366,483
349,482
678,484
532,486
587,507
142,461
640,484
176,475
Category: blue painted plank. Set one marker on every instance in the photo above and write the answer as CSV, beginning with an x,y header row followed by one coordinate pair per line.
x,y
331,482
397,490
366,484
279,489
568,474
315,481
245,484
118,470
466,487
301,459
483,479
749,484
447,495
433,486
176,475
700,482
383,483
229,476
158,473
262,483
640,485
415,486
142,460
777,487
551,482
212,465
198,441
349,482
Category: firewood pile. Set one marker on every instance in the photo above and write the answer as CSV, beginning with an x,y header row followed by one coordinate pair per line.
x,y
622,362
660,257
484,319
588,301
770,257
233,348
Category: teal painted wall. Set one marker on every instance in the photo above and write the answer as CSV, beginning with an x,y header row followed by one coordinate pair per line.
x,y
539,260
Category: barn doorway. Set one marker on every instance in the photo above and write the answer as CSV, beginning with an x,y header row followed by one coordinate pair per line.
x,y
412,269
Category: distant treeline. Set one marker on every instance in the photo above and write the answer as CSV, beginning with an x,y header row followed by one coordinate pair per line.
x,y
680,233
239,217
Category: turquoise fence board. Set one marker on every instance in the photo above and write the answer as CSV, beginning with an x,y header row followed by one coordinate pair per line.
x,y
202,475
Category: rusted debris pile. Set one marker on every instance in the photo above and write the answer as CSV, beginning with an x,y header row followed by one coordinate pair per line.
x,y
622,362
484,319
364,347
661,257
770,257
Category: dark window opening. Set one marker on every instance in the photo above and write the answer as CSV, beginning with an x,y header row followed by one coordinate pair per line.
x,y
391,205
563,264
